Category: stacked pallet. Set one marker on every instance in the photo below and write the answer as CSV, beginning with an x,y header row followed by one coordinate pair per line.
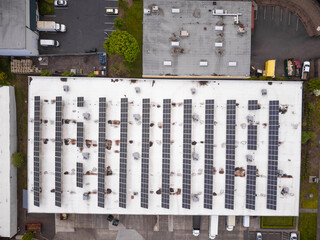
x,y
23,66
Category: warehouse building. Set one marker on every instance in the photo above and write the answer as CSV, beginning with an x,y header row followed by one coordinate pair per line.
x,y
187,147
197,39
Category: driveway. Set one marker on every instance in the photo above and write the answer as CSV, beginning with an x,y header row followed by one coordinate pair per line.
x,y
279,34
87,27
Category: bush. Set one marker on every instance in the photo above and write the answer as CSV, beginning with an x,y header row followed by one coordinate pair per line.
x,y
313,84
123,43
28,236
68,74
119,24
45,73
91,75
308,135
17,160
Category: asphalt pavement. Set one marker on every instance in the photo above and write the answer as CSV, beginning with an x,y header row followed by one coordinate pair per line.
x,y
87,27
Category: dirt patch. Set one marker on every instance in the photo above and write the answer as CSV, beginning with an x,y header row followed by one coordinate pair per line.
x,y
130,2
116,67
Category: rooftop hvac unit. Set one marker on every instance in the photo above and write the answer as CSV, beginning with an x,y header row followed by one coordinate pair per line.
x,y
249,158
167,63
219,11
175,10
195,198
85,155
218,44
138,90
136,117
195,156
193,90
135,155
232,64
218,28
146,11
250,119
195,117
203,63
86,116
175,44
86,196
184,33
264,92
66,88
155,8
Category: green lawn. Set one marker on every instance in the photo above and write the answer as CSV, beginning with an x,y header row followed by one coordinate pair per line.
x,y
278,222
308,226
133,18
307,188
46,7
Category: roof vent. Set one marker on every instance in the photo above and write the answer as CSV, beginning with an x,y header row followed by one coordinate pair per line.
x,y
167,63
264,92
193,90
86,116
146,11
195,117
85,155
155,8
250,119
136,155
195,156
175,43
232,64
195,198
66,88
203,63
184,33
175,10
249,158
86,196
137,89
136,117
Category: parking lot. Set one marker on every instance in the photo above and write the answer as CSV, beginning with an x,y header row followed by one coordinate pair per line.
x,y
278,35
87,27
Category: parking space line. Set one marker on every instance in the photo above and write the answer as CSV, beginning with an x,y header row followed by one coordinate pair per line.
x,y
280,14
264,13
109,23
111,0
289,18
297,26
60,8
272,12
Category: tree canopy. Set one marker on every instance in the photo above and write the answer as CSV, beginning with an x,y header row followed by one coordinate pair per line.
x,y
123,43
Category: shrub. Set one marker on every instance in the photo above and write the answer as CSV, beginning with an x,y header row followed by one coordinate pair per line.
x,y
68,74
313,84
119,24
45,73
17,160
307,135
28,236
91,75
123,43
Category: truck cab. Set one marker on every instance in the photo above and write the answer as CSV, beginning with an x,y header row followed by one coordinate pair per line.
x,y
305,70
213,226
196,222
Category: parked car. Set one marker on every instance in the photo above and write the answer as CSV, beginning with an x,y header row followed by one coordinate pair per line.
x,y
297,67
60,3
112,11
293,236
259,236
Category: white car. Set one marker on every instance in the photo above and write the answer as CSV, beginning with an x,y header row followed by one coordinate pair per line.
x,y
293,236
60,3
112,11
259,236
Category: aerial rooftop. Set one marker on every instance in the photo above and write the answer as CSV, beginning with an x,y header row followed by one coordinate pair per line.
x,y
196,38
178,147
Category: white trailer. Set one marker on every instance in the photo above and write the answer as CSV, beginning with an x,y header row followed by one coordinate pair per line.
x,y
51,26
213,226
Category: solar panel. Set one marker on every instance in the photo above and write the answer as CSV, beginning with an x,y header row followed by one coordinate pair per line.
x,y
166,128
253,105
80,134
252,137
58,148
123,153
79,175
36,153
101,151
273,154
80,101
208,153
187,130
145,152
251,187
230,153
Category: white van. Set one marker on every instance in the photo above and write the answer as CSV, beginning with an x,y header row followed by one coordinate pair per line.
x,y
49,43
246,221
213,226
231,222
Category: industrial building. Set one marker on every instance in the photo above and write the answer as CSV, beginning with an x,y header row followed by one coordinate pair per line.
x,y
171,147
8,173
18,35
197,39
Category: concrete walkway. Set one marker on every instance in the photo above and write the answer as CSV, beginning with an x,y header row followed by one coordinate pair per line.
x,y
305,210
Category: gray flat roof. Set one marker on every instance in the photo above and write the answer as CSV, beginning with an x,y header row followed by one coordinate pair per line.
x,y
162,27
12,24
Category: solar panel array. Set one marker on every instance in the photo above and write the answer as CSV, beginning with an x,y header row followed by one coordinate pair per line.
x,y
145,152
251,187
230,153
101,150
123,153
208,153
252,137
253,105
187,130
273,154
80,101
79,175
166,130
36,152
80,134
58,148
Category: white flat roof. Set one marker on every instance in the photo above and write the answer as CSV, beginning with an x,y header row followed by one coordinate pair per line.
x,y
8,173
289,94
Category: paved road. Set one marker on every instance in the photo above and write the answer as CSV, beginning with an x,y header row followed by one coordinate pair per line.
x,y
279,34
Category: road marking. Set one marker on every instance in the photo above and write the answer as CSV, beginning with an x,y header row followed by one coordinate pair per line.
x,y
264,12
272,12
280,14
109,23
297,26
289,18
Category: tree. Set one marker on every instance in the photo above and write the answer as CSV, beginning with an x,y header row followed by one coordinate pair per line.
x,y
119,23
68,74
307,135
314,84
91,75
28,236
123,43
17,160
45,73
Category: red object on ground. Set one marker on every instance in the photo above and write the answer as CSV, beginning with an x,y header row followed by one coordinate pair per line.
x,y
297,64
252,19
